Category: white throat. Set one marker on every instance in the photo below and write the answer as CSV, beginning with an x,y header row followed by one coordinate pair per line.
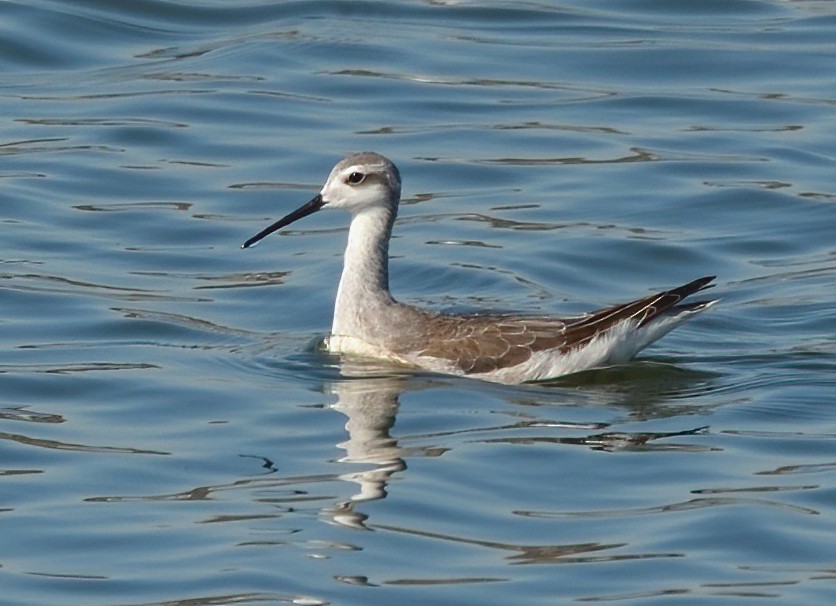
x,y
364,286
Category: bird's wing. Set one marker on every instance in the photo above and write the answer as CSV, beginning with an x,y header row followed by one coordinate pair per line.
x,y
478,343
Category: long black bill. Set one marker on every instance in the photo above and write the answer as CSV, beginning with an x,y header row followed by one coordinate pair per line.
x,y
303,211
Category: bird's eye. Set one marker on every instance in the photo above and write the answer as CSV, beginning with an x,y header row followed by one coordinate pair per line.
x,y
355,178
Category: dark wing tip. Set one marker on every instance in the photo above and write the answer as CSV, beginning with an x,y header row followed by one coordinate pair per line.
x,y
670,299
692,287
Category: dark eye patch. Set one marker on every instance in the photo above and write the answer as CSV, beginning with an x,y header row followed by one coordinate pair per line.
x,y
355,178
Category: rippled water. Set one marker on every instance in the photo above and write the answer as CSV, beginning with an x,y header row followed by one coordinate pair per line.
x,y
169,433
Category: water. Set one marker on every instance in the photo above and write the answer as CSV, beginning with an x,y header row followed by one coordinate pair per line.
x,y
169,433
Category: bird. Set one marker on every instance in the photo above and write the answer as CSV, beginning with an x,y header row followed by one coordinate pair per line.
x,y
498,347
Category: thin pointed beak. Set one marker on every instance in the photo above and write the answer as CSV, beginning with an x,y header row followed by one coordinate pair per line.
x,y
303,211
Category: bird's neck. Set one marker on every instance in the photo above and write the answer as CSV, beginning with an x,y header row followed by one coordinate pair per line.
x,y
364,286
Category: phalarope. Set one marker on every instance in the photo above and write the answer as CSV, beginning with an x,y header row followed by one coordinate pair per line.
x,y
503,348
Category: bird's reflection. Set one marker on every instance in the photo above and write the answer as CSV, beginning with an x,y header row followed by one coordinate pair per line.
x,y
368,395
370,405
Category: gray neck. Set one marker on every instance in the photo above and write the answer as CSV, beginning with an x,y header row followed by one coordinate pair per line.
x,y
363,295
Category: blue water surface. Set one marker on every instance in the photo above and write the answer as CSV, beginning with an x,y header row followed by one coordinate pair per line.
x,y
169,433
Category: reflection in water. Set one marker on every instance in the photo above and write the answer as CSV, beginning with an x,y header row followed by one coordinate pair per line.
x,y
370,405
368,396
370,401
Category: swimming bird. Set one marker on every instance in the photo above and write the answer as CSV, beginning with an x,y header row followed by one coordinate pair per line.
x,y
498,347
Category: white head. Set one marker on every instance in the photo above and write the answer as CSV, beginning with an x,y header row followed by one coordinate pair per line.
x,y
361,181
358,182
